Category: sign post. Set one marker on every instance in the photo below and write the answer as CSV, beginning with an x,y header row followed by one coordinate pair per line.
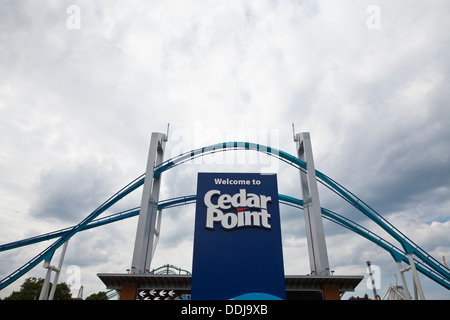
x,y
237,241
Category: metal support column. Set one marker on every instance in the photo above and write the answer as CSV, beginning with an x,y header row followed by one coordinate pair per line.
x,y
402,276
145,244
417,286
318,256
46,286
374,289
58,271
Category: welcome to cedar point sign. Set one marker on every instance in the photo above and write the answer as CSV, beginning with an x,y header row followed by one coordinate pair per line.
x,y
237,241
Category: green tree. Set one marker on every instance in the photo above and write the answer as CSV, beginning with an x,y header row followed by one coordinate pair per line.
x,y
98,296
31,288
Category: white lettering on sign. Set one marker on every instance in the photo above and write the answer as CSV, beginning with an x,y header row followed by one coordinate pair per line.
x,y
251,210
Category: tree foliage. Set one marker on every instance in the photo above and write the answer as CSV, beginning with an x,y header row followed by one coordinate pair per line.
x,y
31,289
98,296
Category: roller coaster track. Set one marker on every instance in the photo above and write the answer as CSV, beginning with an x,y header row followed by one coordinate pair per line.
x,y
426,264
396,253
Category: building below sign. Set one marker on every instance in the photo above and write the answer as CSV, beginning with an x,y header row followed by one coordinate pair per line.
x,y
298,287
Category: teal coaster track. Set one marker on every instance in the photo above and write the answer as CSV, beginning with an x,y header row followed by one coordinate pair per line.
x,y
425,263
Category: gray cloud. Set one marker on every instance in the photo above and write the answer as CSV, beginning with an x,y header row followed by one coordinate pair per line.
x,y
69,191
77,108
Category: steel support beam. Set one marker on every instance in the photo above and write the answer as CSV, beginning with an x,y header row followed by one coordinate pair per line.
x,y
145,244
374,289
418,292
46,286
402,276
315,235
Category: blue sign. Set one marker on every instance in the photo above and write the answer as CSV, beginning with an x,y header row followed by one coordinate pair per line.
x,y
237,242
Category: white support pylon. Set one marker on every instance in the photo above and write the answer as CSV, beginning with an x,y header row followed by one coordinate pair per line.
x,y
418,292
375,295
402,276
144,245
58,271
315,235
46,286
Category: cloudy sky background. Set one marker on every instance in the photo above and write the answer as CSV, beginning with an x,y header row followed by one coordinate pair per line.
x,y
80,98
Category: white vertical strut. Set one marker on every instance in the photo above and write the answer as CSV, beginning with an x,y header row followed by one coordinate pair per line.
x,y
60,263
375,295
144,245
402,276
318,256
45,287
418,292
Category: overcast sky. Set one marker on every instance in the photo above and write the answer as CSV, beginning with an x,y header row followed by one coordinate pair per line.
x,y
83,84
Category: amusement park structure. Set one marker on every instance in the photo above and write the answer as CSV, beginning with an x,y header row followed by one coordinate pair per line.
x,y
375,295
150,213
